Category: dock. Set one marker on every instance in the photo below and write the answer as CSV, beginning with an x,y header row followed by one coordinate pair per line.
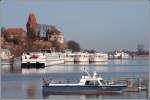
x,y
133,84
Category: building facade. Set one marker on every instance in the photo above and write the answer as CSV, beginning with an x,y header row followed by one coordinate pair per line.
x,y
55,35
31,25
43,31
14,33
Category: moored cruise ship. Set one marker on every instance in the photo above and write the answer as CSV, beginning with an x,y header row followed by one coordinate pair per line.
x,y
121,55
81,57
6,57
69,56
98,57
41,59
33,60
54,58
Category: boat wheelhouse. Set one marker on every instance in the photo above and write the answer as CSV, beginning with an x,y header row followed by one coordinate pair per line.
x,y
88,85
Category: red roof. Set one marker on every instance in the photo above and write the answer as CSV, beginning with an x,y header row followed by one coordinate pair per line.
x,y
32,20
15,30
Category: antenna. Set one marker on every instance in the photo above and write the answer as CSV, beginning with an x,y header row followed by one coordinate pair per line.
x,y
84,70
94,75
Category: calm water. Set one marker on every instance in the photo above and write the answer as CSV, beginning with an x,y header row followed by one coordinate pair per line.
x,y
27,83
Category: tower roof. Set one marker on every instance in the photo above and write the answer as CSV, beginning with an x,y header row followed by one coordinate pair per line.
x,y
32,20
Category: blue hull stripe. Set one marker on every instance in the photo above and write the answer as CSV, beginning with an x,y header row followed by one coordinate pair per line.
x,y
97,88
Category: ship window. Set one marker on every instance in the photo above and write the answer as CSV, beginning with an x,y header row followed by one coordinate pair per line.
x,y
102,81
91,83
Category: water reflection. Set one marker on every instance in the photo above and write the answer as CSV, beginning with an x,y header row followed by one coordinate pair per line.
x,y
120,61
99,63
109,66
68,63
79,68
125,95
33,70
31,91
87,63
28,71
71,96
67,68
10,68
82,63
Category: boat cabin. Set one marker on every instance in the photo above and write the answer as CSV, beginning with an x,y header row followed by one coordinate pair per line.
x,y
94,80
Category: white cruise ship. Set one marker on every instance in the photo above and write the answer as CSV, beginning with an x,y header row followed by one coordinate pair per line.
x,y
33,60
121,55
41,59
81,57
54,58
69,56
6,57
98,57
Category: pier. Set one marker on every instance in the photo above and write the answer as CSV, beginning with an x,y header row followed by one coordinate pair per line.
x,y
133,84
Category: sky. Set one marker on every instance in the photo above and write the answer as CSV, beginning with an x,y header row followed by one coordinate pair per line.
x,y
102,25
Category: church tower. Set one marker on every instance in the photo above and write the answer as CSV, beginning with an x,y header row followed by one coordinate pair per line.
x,y
31,25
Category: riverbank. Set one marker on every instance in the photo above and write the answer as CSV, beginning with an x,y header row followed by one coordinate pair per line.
x,y
141,57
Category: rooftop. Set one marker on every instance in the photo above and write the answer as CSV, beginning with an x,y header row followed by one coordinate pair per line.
x,y
15,30
32,20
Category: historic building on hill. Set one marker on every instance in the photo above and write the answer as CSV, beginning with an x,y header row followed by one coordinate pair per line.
x,y
14,33
31,26
55,35
44,31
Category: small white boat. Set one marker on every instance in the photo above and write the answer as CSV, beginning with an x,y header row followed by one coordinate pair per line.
x,y
88,85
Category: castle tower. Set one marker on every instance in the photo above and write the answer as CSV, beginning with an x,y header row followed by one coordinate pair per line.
x,y
31,25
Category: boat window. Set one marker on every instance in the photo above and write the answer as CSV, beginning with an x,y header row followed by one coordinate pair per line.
x,y
91,83
102,82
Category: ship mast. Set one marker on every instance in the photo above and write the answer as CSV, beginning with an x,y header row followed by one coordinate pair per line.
x,y
85,71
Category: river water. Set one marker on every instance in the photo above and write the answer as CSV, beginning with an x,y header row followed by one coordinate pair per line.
x,y
17,83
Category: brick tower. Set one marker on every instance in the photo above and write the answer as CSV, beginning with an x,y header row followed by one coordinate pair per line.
x,y
31,25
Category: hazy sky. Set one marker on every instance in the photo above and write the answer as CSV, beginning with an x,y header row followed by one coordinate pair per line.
x,y
97,24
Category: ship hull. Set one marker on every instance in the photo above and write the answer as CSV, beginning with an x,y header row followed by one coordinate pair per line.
x,y
32,65
50,62
83,89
